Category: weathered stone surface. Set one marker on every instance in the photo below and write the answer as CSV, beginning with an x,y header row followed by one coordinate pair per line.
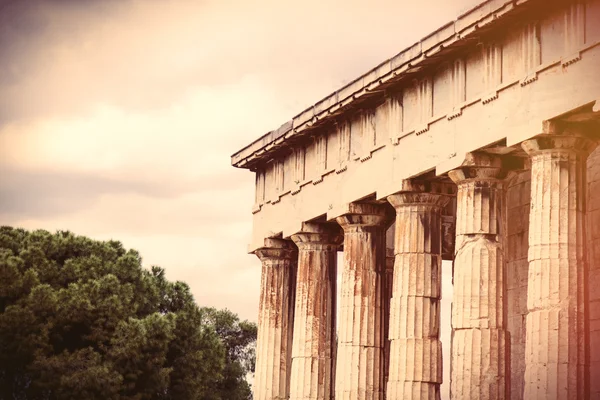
x,y
530,68
275,319
518,196
415,348
360,350
314,316
593,250
480,342
556,340
389,283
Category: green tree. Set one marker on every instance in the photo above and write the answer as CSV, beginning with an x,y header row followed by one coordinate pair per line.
x,y
239,338
81,319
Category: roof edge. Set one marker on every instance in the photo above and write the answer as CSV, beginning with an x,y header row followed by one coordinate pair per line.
x,y
393,68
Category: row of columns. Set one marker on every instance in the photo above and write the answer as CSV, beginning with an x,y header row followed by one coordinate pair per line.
x,y
359,366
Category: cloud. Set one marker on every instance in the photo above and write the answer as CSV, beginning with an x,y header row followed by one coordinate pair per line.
x,y
35,194
146,55
195,136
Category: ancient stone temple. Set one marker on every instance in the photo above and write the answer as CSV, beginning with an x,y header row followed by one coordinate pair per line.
x,y
479,145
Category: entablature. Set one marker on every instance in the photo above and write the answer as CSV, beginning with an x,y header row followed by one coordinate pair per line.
x,y
447,45
533,62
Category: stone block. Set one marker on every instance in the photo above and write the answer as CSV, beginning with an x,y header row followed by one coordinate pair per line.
x,y
511,322
513,197
517,246
595,338
512,301
594,224
593,202
526,193
523,247
593,166
594,189
515,222
595,377
525,213
512,276
594,278
522,309
595,318
523,270
510,248
593,251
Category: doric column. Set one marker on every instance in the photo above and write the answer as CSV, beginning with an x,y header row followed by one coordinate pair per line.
x,y
360,351
415,348
480,340
275,319
556,340
389,283
314,315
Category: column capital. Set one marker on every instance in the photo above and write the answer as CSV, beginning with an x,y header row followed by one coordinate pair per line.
x,y
415,191
318,236
479,166
277,249
568,142
425,198
363,215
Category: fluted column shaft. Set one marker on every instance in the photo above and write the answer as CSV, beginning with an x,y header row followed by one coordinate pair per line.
x,y
414,326
314,315
360,351
480,340
275,319
387,296
556,339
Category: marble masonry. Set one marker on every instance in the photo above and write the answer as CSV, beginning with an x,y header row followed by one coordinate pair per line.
x,y
477,145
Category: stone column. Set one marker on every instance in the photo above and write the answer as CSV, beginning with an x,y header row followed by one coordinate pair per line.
x,y
360,352
415,348
389,283
275,319
314,315
480,340
556,340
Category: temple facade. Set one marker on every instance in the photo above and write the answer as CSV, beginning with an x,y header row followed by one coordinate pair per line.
x,y
478,145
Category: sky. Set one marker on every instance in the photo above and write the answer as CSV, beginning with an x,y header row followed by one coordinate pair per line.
x,y
118,117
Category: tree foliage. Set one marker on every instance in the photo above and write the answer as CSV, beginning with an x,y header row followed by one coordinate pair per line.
x,y
81,319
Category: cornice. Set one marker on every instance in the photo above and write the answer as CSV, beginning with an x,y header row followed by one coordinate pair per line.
x,y
435,47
